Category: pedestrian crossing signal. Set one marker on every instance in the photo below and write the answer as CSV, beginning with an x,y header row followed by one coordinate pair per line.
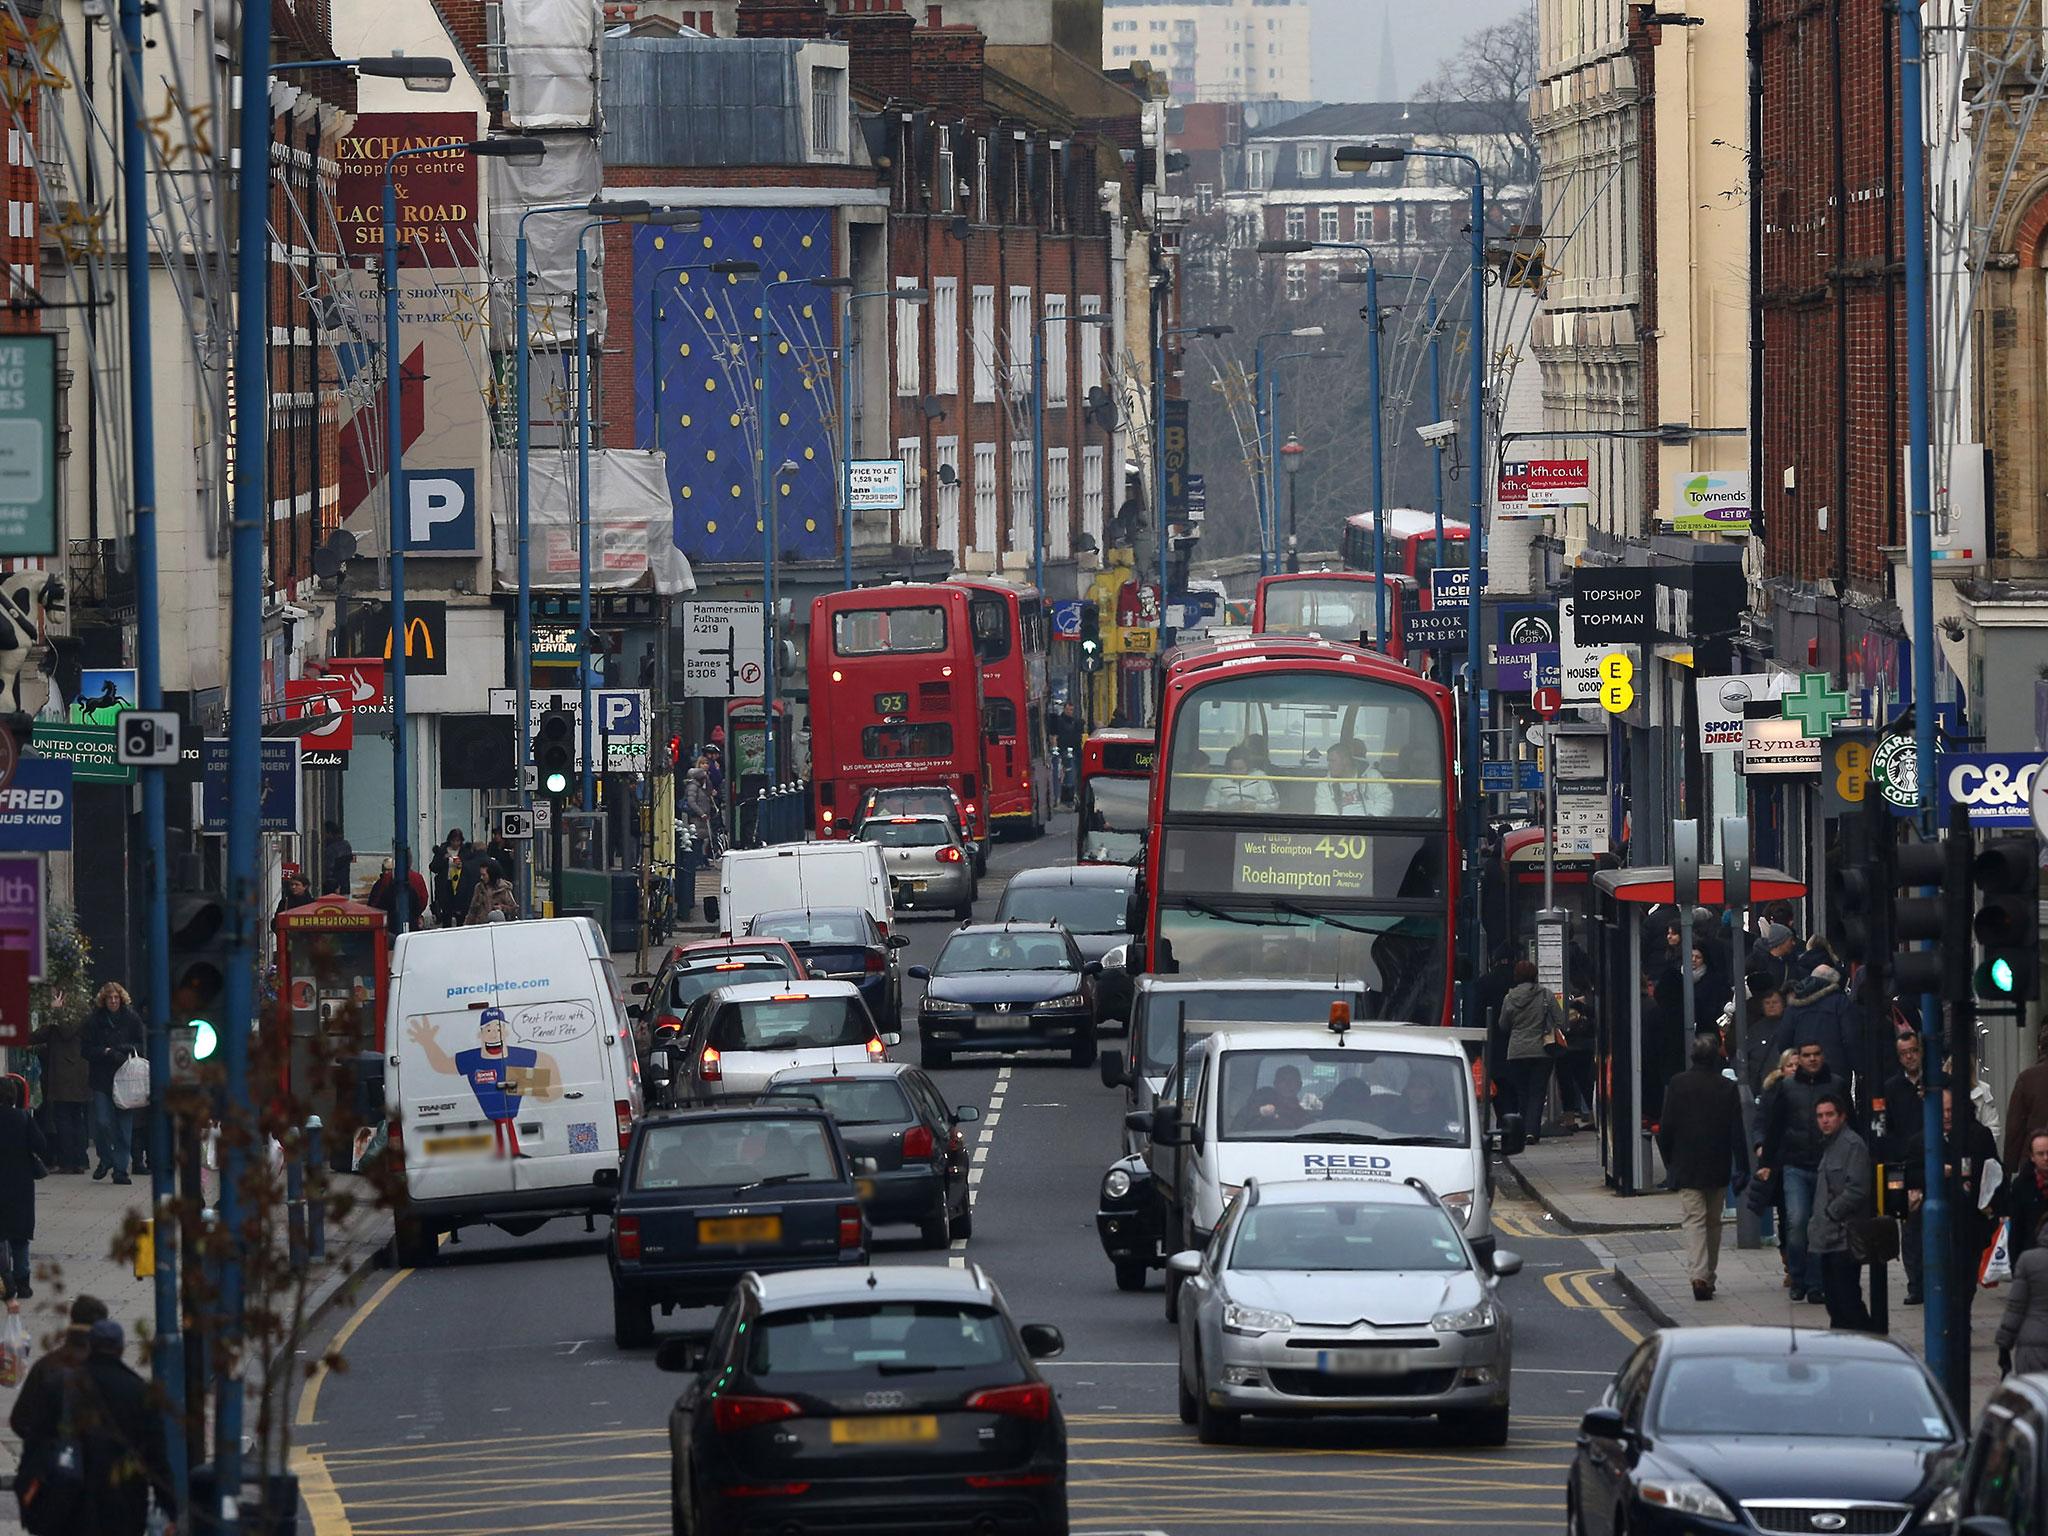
x,y
554,749
2006,924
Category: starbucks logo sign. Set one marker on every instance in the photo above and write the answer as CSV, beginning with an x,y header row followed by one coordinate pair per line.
x,y
1895,767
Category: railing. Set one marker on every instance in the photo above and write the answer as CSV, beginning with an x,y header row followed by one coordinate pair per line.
x,y
778,814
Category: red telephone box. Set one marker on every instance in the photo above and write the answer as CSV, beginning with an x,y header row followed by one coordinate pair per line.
x,y
333,958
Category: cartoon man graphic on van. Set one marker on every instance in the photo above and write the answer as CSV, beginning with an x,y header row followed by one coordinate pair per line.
x,y
502,1076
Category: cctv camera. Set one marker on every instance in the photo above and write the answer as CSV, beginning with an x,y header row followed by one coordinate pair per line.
x,y
1437,431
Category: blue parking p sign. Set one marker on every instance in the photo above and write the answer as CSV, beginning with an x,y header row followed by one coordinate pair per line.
x,y
618,712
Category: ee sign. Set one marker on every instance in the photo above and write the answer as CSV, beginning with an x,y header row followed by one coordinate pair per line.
x,y
1617,692
1995,787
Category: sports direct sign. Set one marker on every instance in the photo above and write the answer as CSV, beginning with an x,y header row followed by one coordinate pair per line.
x,y
1994,787
1723,700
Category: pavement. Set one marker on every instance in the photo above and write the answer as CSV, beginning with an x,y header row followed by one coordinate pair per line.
x,y
80,1221
1638,1238
485,1396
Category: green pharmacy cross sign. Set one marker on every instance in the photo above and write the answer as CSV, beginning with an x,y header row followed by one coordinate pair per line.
x,y
1817,707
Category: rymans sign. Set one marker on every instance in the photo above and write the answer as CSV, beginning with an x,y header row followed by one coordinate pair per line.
x,y
1994,786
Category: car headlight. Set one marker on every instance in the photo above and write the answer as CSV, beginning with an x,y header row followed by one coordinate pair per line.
x,y
1459,1205
1116,1184
1480,1319
1686,1498
1117,959
943,1005
1254,1320
1946,1508
1071,1000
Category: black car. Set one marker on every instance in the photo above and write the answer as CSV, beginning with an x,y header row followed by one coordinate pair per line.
x,y
842,944
891,1114
1098,904
1007,987
705,1196
1709,1430
2003,1487
901,1399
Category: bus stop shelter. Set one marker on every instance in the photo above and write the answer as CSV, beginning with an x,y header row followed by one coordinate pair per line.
x,y
1633,1058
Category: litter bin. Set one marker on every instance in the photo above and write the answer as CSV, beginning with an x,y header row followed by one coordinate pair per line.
x,y
623,930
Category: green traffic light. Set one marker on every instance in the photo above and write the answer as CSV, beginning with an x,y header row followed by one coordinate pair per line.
x,y
2001,975
557,783
205,1040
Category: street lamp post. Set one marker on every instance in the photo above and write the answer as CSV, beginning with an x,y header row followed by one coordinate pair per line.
x,y
394,473
848,298
1356,158
1291,453
1163,333
1262,433
1436,412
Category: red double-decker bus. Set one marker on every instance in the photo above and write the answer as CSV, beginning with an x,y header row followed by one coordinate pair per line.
x,y
1010,640
1302,822
1337,605
1411,545
1114,797
895,700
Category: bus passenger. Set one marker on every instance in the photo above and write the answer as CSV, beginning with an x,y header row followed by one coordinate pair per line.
x,y
1238,790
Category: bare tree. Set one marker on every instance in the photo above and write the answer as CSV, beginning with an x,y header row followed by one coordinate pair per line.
x,y
1491,74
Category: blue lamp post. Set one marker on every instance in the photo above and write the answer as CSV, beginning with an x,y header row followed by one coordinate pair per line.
x,y
1164,333
1262,432
843,286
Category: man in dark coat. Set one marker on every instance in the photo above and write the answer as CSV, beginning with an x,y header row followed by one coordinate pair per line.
x,y
445,865
39,1407
2027,1110
67,1088
1791,1154
1819,1012
1701,1137
337,862
122,1436
1904,1146
21,1146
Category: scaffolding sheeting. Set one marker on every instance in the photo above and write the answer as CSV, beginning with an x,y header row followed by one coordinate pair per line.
x,y
632,524
570,172
550,63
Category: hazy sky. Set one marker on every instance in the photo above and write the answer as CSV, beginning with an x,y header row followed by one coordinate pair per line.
x,y
1347,41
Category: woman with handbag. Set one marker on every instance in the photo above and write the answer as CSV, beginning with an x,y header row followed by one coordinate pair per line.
x,y
113,1037
22,1150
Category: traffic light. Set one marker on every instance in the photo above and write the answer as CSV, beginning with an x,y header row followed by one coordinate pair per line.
x,y
1943,971
675,754
1863,884
554,750
1091,637
199,978
2007,875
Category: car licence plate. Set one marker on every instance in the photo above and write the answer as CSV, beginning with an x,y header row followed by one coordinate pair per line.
x,y
1362,1362
864,1188
727,1230
888,1429
917,885
480,1142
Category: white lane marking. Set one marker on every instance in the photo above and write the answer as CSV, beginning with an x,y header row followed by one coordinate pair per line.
x,y
974,1176
981,1153
994,1118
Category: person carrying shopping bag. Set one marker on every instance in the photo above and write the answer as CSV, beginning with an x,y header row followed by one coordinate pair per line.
x,y
113,1036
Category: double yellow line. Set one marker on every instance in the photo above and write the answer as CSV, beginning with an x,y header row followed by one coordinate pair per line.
x,y
1573,1288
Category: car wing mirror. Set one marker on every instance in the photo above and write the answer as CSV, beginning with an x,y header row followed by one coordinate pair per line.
x,y
866,1165
966,1114
891,1038
1603,1423
1187,1262
898,941
1092,968
684,1356
920,973
641,988
1505,1262
1042,1341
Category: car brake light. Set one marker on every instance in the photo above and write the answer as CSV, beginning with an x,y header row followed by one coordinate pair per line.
x,y
730,965
667,1021
626,1229
849,1226
876,963
949,856
917,1141
876,1049
623,1108
1005,1480
902,821
764,1490
730,1415
1032,1401
708,1068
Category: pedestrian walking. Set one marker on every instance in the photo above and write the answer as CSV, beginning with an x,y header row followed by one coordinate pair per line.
x,y
698,803
105,1407
1791,1153
383,896
1766,1194
38,1413
2027,1110
1533,1021
296,893
1760,1050
1820,1012
67,1088
1845,1193
495,901
337,861
1701,1137
1710,989
113,1034
2026,1195
1773,960
2023,1331
1575,1066
1905,1141
444,864
1972,1220
22,1151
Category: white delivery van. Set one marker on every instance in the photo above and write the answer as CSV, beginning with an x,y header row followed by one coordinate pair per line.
x,y
510,1076
1277,1104
809,875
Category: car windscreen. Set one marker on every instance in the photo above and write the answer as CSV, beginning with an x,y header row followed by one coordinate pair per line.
x,y
791,1024
906,834
910,802
854,1100
1082,908
1344,1235
690,981
1800,1396
733,1152
966,953
1281,1005
811,927
1345,1093
885,1338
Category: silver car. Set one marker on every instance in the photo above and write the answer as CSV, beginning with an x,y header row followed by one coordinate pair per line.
x,y
928,864
1339,1297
